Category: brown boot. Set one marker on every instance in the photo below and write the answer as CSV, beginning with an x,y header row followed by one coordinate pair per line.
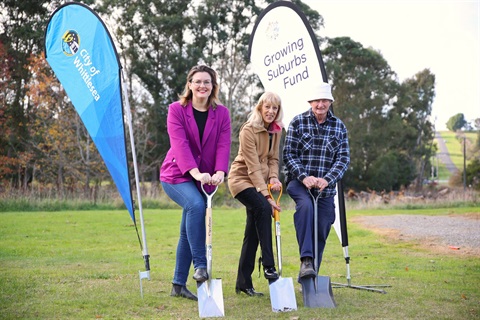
x,y
306,268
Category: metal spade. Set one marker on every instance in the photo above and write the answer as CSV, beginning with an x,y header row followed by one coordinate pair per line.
x,y
210,293
282,293
317,291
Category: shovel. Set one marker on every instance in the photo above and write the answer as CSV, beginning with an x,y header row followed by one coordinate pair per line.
x,y
210,293
317,291
282,294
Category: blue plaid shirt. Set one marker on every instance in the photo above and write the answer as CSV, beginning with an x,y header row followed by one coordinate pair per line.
x,y
314,149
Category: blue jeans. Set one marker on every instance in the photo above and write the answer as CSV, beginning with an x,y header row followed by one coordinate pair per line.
x,y
191,244
303,220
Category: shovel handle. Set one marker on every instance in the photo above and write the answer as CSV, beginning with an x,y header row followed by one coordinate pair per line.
x,y
276,214
276,217
209,195
208,228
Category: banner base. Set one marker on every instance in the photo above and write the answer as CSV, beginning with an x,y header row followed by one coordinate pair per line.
x,y
143,275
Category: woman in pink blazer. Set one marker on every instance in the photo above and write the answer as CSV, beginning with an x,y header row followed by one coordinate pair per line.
x,y
199,130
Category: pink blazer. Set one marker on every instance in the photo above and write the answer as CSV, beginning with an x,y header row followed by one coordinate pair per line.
x,y
187,151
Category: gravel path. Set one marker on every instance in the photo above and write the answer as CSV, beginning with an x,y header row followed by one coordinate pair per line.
x,y
449,233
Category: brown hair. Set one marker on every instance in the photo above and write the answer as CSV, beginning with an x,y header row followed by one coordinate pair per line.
x,y
187,94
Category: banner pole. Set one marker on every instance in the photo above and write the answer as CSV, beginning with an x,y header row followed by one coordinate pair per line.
x,y
90,73
343,228
145,274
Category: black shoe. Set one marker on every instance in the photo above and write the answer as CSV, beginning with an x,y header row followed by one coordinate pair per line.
x,y
200,275
249,292
182,291
270,273
306,268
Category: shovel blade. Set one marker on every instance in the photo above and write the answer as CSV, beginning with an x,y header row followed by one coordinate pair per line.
x,y
317,292
282,295
210,299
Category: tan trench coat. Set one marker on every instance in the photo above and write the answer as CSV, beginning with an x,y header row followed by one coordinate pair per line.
x,y
254,164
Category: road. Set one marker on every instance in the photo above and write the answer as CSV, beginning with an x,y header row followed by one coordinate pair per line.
x,y
443,154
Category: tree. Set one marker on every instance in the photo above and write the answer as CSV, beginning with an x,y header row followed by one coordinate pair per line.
x,y
159,41
224,31
60,149
7,164
363,85
456,122
414,106
473,174
22,25
393,170
390,133
161,44
153,42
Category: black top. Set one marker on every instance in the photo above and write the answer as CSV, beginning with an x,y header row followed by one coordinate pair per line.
x,y
201,120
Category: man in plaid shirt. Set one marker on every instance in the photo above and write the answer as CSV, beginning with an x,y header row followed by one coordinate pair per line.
x,y
316,155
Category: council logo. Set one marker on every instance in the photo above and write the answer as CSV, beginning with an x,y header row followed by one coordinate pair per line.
x,y
273,30
70,42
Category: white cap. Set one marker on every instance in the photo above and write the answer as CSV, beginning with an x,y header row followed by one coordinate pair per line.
x,y
320,90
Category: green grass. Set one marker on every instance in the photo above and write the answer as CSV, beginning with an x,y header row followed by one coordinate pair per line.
x,y
84,265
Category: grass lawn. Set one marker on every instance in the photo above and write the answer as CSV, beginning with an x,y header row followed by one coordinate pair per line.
x,y
84,265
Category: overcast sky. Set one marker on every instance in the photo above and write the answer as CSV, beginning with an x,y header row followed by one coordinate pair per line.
x,y
443,36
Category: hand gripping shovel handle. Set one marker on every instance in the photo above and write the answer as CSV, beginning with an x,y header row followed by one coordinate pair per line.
x,y
276,214
276,218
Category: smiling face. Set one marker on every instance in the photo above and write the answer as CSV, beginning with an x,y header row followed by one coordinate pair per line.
x,y
269,112
201,85
320,108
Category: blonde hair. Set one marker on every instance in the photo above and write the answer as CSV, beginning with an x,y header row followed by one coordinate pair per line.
x,y
255,117
187,94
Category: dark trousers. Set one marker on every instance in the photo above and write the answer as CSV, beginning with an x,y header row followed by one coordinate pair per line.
x,y
303,220
258,229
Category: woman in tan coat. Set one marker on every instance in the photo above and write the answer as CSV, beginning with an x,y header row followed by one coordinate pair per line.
x,y
255,166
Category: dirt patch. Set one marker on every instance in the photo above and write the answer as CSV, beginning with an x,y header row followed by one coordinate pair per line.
x,y
448,234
